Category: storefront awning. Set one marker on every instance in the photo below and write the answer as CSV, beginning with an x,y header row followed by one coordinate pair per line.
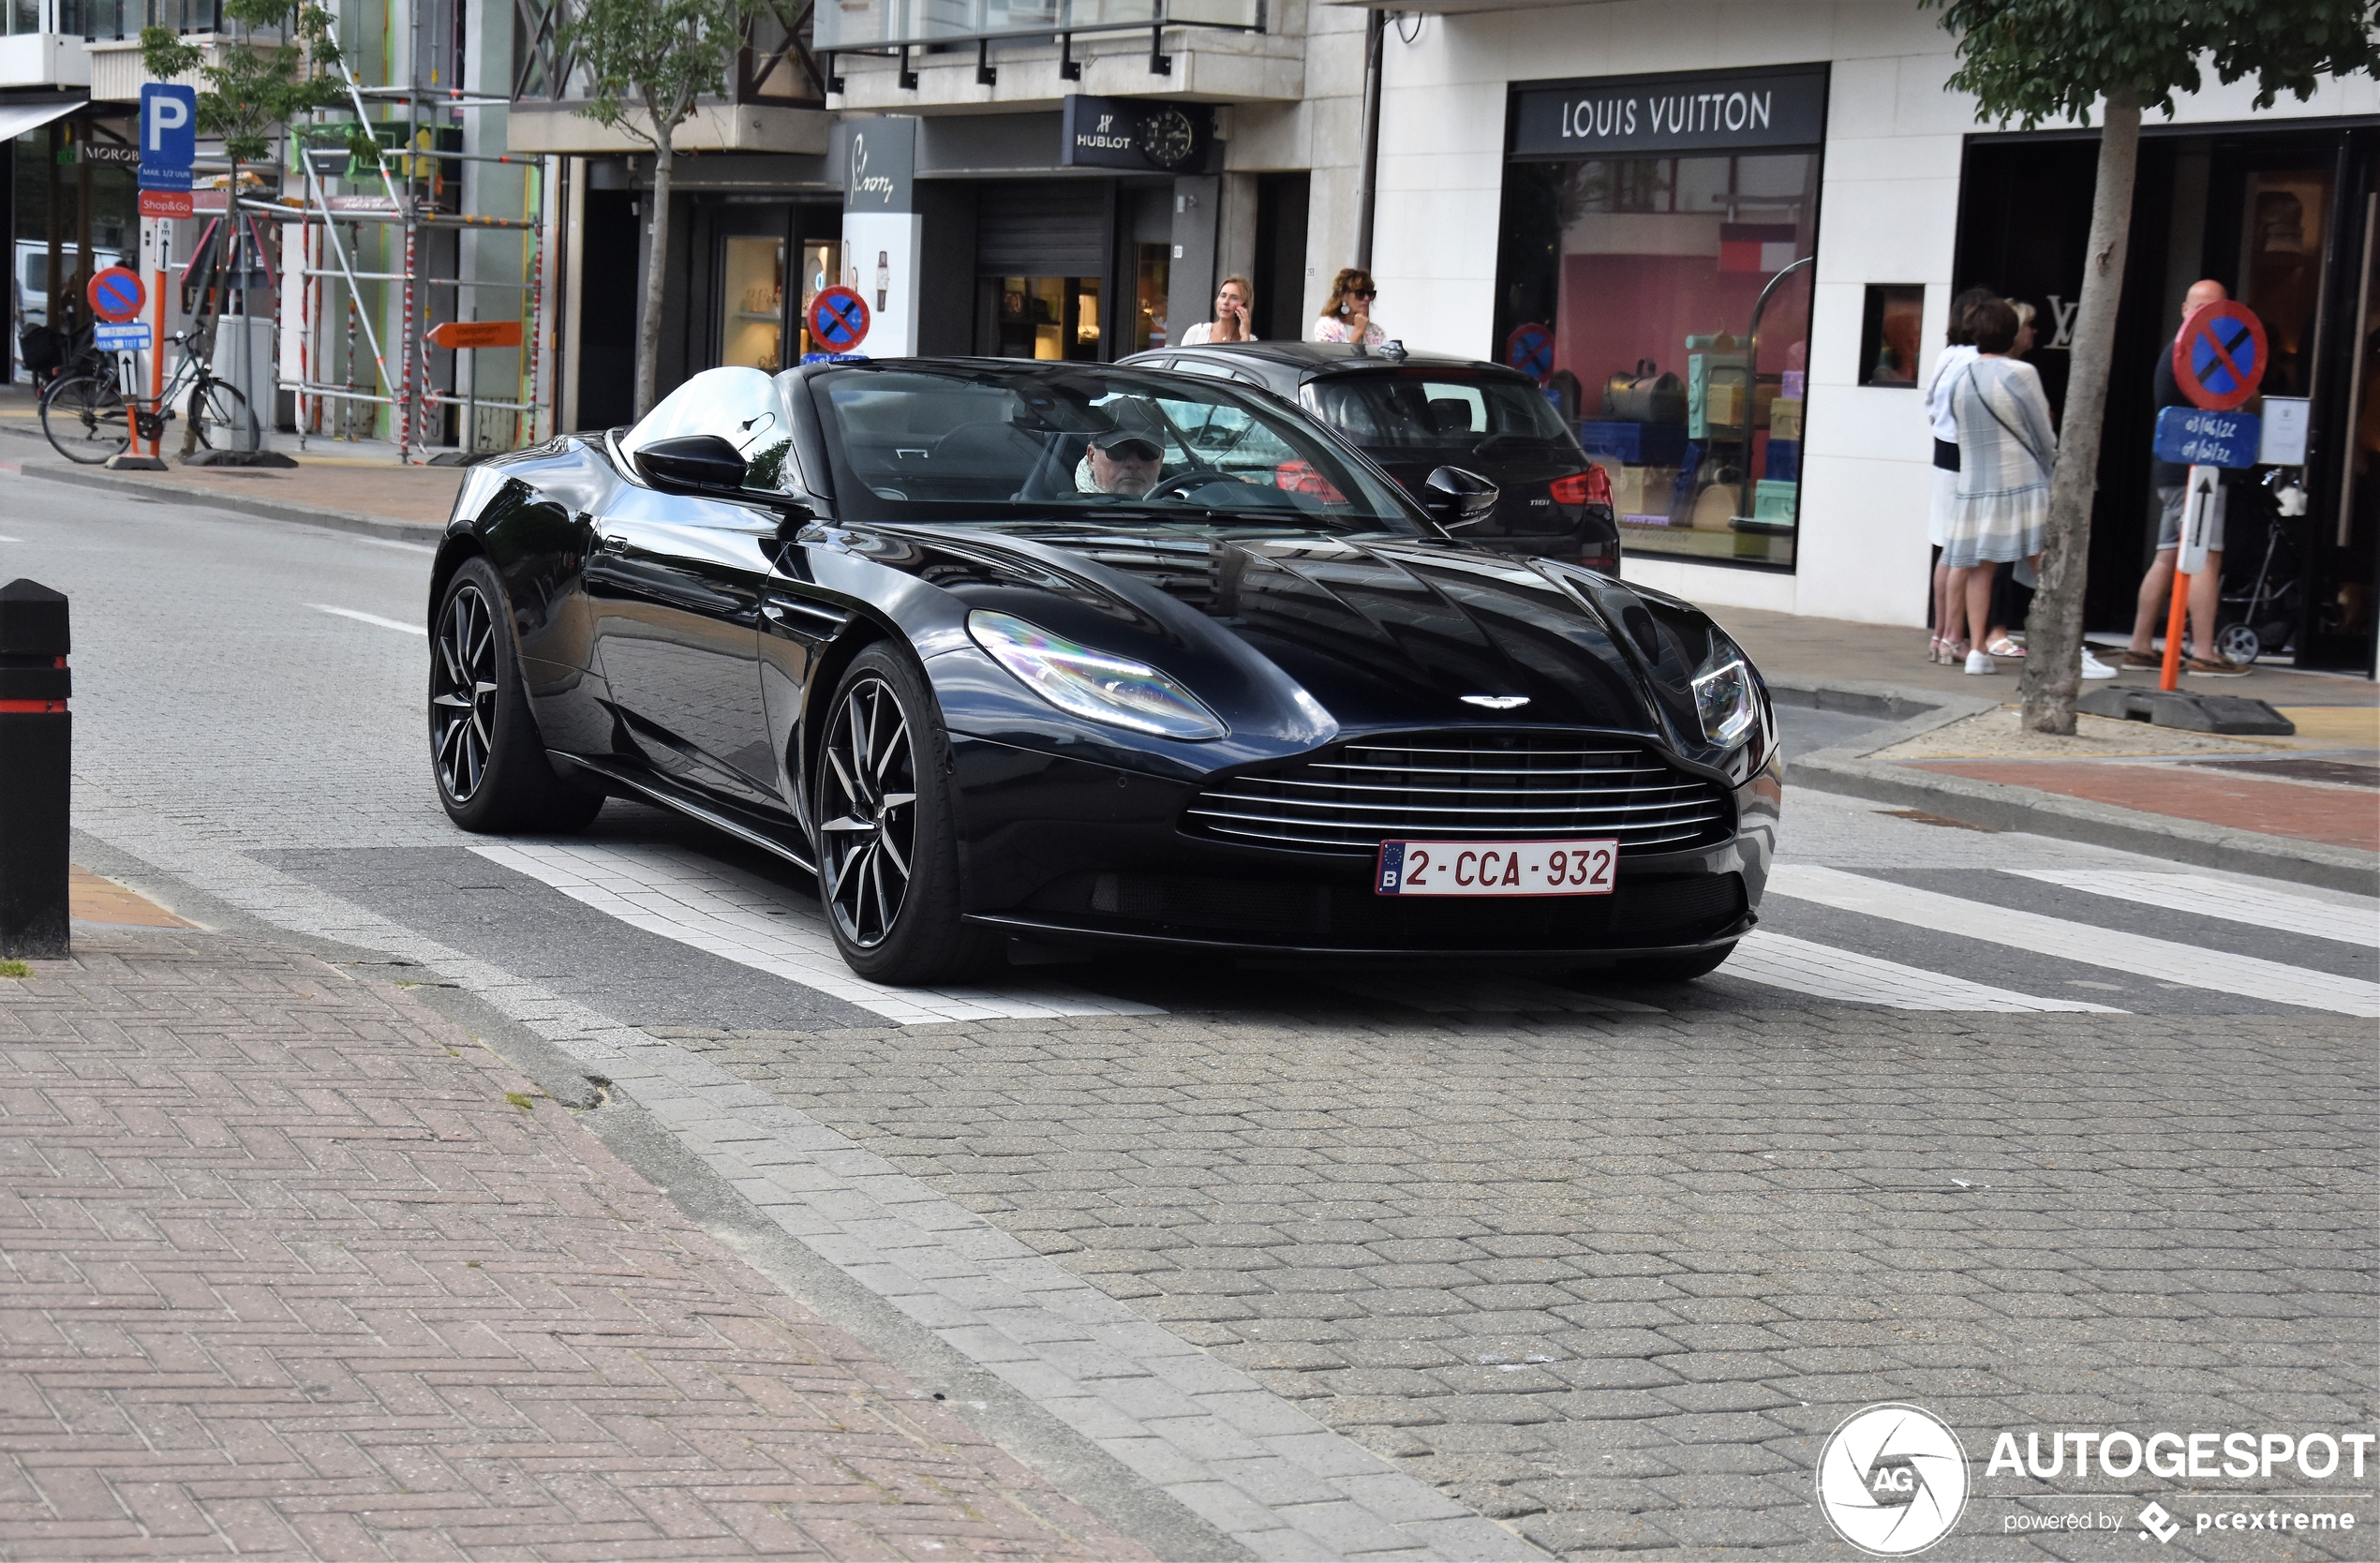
x,y
18,118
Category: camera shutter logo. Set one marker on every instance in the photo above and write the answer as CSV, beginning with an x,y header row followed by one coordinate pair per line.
x,y
1893,1480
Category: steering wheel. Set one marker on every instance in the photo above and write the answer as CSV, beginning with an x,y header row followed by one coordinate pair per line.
x,y
1187,478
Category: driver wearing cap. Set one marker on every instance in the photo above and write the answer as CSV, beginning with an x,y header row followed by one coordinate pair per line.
x,y
1123,461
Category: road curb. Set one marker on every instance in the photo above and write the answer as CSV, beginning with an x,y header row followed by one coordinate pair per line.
x,y
2001,806
424,532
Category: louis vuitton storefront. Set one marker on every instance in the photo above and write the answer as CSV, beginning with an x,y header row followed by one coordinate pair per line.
x,y
1728,251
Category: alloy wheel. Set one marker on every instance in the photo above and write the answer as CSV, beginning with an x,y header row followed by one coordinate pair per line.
x,y
463,687
868,798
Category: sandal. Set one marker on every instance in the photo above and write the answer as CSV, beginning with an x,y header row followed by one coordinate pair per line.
x,y
2004,646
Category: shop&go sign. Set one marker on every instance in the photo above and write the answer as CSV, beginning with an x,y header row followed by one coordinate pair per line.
x,y
169,145
1657,116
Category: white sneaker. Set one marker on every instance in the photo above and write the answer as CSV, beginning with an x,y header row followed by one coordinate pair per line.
x,y
1980,661
2093,668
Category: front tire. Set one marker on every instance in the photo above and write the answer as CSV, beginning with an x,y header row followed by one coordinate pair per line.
x,y
887,836
85,418
493,774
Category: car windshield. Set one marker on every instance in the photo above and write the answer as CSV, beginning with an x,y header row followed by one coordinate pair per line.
x,y
979,442
1402,409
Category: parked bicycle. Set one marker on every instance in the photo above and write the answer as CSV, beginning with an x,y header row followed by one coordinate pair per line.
x,y
2262,616
89,417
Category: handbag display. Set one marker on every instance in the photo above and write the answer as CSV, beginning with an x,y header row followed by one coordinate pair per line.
x,y
1646,397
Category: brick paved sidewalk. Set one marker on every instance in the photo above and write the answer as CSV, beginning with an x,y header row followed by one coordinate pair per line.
x,y
290,1266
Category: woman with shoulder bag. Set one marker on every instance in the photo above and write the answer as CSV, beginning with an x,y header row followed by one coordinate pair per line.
x,y
1958,352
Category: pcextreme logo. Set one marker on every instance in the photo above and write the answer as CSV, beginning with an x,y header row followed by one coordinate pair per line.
x,y
1893,1480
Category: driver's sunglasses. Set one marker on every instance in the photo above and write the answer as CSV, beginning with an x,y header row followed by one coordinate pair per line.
x,y
1134,450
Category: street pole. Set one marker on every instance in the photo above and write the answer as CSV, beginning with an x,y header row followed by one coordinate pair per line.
x,y
35,771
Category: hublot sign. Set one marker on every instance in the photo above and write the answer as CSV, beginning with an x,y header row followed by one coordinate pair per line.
x,y
1146,135
1722,111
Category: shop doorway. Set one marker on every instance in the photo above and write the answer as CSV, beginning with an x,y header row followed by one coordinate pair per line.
x,y
1282,199
1048,318
2259,211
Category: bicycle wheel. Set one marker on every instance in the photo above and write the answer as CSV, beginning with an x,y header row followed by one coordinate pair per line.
x,y
86,420
218,412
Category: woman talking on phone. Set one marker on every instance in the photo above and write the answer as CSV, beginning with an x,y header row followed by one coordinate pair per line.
x,y
1347,317
1233,299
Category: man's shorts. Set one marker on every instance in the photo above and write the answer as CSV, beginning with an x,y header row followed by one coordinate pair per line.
x,y
2169,525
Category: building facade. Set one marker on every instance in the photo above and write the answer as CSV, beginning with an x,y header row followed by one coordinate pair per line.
x,y
1732,231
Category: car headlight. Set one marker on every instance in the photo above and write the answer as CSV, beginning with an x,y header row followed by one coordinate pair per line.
x,y
1726,698
1094,685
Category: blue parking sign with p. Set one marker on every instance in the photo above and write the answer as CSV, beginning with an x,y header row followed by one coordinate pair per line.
x,y
169,134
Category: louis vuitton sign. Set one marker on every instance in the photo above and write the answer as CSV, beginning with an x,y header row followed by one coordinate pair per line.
x,y
1723,111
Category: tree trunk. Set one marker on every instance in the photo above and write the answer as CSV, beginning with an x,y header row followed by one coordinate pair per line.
x,y
648,324
2053,663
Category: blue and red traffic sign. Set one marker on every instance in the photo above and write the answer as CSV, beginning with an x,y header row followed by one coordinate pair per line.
x,y
837,319
1531,349
116,295
2220,357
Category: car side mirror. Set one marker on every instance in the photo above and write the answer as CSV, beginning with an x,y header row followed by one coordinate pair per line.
x,y
1456,498
691,463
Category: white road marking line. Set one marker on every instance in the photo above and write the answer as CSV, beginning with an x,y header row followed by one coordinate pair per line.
x,y
2193,966
388,543
12,540
686,897
363,617
1453,993
2219,897
1802,967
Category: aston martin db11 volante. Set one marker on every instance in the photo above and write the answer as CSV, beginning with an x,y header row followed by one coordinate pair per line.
x,y
1081,657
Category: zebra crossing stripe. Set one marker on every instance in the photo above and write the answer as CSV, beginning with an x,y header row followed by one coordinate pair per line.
x,y
1778,961
681,896
2224,898
2193,965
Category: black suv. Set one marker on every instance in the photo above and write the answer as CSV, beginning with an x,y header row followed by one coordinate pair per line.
x,y
1415,412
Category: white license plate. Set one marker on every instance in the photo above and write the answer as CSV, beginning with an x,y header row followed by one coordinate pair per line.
x,y
1496,867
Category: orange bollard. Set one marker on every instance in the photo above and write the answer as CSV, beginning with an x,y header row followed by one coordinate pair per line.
x,y
2170,676
157,365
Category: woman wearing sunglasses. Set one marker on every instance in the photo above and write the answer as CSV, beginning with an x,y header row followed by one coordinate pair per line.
x,y
1347,316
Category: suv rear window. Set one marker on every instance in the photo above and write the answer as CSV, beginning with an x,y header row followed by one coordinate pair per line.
x,y
1414,407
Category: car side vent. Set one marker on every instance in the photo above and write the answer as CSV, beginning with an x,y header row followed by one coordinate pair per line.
x,y
1479,786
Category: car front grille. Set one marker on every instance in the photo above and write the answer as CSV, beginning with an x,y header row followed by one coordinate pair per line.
x,y
1470,786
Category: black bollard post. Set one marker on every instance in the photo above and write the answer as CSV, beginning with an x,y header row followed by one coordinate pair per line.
x,y
35,751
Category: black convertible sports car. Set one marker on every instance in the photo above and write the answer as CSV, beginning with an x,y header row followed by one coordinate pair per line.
x,y
1086,656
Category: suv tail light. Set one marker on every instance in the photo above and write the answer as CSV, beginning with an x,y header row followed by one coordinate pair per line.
x,y
1590,487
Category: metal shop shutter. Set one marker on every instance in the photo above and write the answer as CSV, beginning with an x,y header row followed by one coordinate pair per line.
x,y
1057,228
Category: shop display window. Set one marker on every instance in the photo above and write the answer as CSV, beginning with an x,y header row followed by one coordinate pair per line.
x,y
821,262
1149,318
1680,323
1892,332
751,301
1042,316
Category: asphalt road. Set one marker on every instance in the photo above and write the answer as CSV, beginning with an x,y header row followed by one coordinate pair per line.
x,y
2035,1136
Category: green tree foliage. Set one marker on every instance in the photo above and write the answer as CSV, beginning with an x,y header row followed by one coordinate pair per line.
x,y
255,89
2028,61
647,65
2034,60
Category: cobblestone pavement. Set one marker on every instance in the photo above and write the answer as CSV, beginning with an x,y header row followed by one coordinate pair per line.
x,y
290,1267
1612,1280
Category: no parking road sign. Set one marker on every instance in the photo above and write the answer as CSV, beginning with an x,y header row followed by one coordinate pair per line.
x,y
116,295
837,319
1531,349
2220,357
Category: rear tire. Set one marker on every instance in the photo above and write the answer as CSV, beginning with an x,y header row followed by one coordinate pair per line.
x,y
492,772
218,412
1678,968
86,420
887,836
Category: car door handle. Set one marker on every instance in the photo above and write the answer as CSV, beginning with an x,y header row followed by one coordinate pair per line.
x,y
614,543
